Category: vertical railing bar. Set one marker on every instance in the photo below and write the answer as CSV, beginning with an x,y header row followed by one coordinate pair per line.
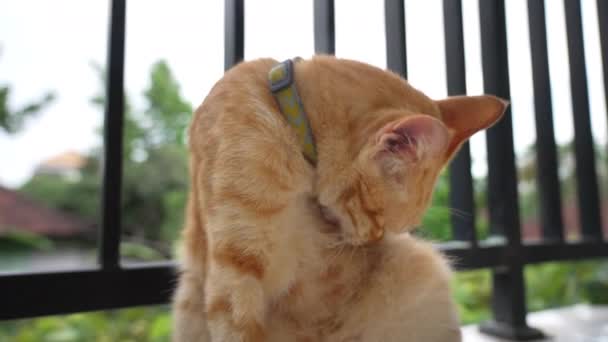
x,y
234,32
394,18
111,208
502,181
461,181
324,27
508,298
602,13
586,177
546,154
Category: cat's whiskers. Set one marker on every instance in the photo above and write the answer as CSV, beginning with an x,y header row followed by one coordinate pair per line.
x,y
365,256
335,240
456,212
353,251
338,251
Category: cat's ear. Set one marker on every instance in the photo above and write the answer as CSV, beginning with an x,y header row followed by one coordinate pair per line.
x,y
466,115
412,138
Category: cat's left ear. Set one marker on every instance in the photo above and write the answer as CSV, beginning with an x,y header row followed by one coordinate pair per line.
x,y
466,115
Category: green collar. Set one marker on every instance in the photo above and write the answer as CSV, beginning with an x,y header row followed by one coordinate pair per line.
x,y
283,87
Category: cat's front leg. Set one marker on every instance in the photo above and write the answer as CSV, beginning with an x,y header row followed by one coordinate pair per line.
x,y
235,301
189,321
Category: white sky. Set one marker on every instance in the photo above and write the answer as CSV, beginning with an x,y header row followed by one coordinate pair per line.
x,y
49,46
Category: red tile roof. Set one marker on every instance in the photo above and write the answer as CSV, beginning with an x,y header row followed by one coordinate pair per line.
x,y
17,212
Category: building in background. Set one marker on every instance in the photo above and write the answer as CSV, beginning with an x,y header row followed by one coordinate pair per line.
x,y
67,165
19,213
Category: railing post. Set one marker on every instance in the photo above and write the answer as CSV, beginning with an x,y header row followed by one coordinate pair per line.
x,y
111,206
508,299
324,27
586,177
461,180
396,48
234,32
602,13
546,154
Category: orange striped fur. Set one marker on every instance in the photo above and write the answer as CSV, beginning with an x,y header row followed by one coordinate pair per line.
x,y
275,249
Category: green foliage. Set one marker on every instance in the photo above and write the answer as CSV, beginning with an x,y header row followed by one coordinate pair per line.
x,y
154,169
557,284
597,292
548,285
12,120
77,197
155,174
472,292
167,111
132,132
150,324
151,207
436,223
139,252
174,204
480,198
15,241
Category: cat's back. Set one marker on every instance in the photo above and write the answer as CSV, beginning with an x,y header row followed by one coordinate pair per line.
x,y
241,145
234,102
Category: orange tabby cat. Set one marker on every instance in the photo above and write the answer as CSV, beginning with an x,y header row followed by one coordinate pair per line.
x,y
276,249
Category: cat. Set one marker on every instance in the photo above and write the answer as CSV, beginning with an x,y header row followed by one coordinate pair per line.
x,y
278,248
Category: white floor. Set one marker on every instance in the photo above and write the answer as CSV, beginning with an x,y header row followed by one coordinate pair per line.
x,y
579,323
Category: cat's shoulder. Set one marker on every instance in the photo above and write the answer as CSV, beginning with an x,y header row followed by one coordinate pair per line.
x,y
242,80
238,96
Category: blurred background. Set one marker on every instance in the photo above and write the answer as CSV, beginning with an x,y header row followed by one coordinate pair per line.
x,y
52,67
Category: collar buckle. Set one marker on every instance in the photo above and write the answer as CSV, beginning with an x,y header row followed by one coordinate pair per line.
x,y
281,76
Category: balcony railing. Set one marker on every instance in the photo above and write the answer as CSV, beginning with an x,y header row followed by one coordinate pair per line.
x,y
113,285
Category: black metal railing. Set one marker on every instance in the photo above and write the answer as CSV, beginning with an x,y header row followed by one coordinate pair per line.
x,y
113,285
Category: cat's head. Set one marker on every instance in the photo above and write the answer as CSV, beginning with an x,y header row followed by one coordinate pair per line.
x,y
399,150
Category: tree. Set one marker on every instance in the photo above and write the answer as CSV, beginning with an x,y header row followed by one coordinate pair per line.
x,y
155,172
155,160
167,111
77,197
12,120
154,166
